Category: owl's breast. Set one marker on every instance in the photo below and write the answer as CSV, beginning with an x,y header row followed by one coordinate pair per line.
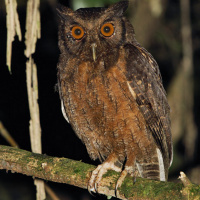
x,y
101,109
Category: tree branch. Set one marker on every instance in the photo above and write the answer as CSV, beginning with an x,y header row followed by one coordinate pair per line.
x,y
63,170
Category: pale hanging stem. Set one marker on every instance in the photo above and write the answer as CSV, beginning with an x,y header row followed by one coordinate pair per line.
x,y
32,87
13,28
51,193
4,132
32,34
35,129
32,26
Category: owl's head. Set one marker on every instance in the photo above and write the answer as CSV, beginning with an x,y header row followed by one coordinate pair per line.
x,y
93,34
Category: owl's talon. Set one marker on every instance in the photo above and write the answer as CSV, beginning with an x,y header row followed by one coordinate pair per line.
x,y
92,182
96,187
96,178
98,173
116,190
121,178
90,190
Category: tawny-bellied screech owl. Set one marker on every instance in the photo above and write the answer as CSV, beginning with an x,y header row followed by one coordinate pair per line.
x,y
112,94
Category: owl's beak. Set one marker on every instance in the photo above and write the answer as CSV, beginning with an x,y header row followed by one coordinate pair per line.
x,y
94,46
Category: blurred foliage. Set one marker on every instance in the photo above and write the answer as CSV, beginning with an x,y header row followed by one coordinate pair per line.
x,y
91,3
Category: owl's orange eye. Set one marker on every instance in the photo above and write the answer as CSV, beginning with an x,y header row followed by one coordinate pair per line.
x,y
107,30
77,32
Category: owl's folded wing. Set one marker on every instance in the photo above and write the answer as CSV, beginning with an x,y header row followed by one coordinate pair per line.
x,y
145,84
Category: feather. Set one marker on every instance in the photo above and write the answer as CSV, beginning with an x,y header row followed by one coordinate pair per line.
x,y
145,85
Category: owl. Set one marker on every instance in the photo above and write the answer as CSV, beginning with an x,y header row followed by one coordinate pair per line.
x,y
112,94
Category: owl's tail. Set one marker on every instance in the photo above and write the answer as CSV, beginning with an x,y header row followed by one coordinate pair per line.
x,y
153,170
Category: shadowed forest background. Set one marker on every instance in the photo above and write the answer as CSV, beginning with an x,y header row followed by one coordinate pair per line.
x,y
159,29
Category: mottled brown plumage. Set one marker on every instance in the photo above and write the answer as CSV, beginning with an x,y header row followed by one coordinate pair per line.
x,y
112,94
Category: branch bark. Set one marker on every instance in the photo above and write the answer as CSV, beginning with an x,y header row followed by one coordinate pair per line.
x,y
63,170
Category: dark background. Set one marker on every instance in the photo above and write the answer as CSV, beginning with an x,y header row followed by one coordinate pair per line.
x,y
57,137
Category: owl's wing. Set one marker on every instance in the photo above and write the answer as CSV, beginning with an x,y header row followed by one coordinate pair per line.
x,y
145,84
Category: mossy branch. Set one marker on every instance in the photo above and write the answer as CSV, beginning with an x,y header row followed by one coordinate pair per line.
x,y
63,170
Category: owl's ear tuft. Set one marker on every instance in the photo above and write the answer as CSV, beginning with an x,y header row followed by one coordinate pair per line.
x,y
64,12
118,8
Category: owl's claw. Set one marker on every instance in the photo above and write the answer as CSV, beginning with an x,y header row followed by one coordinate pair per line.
x,y
120,180
90,190
123,175
92,187
98,173
96,186
96,178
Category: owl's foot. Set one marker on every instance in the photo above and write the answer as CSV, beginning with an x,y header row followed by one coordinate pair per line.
x,y
127,170
121,179
111,163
